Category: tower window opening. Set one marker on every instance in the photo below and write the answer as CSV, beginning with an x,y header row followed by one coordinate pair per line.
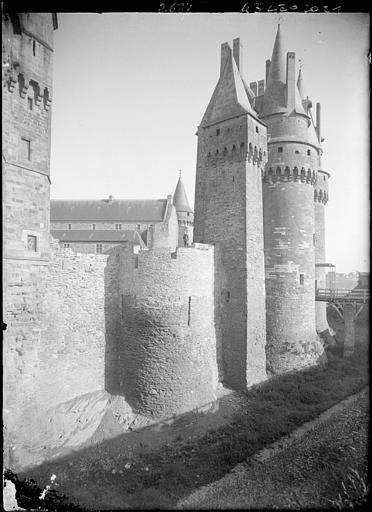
x,y
118,227
30,103
302,279
228,297
280,150
26,148
93,227
31,243
189,312
34,47
308,152
233,179
297,152
99,248
217,131
69,226
323,178
136,261
66,246
256,129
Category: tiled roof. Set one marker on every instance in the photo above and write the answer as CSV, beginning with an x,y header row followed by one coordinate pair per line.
x,y
115,210
97,235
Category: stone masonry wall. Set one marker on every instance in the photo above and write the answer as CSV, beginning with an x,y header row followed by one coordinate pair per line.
x,y
55,344
167,356
228,211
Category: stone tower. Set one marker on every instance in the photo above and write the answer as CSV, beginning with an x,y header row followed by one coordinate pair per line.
x,y
289,223
27,45
185,215
228,211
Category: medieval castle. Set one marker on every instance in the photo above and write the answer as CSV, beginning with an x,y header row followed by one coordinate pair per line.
x,y
161,326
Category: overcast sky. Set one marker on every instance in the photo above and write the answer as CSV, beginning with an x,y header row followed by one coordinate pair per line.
x,y
131,88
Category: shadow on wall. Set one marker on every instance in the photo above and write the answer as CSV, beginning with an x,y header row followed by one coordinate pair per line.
x,y
112,321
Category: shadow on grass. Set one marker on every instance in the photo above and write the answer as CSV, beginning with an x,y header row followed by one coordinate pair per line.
x,y
107,476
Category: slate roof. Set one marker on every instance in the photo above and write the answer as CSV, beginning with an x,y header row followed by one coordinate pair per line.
x,y
97,235
180,200
115,210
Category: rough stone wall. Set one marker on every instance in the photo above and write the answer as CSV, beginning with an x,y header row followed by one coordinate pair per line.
x,y
289,227
185,225
165,234
168,349
320,200
55,348
228,211
26,118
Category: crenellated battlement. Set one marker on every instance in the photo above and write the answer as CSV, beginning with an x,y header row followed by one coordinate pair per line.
x,y
320,196
285,173
20,80
237,153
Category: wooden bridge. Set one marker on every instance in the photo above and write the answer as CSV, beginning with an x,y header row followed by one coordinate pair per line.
x,y
348,304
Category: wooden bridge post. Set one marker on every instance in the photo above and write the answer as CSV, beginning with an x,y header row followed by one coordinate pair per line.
x,y
349,319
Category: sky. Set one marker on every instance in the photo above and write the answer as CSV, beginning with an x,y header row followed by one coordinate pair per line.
x,y
130,90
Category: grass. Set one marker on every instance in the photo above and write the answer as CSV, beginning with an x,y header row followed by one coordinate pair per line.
x,y
275,408
354,492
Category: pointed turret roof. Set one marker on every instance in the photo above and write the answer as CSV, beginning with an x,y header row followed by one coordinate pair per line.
x,y
275,97
180,200
230,95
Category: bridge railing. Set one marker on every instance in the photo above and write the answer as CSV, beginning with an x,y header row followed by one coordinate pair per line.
x,y
330,294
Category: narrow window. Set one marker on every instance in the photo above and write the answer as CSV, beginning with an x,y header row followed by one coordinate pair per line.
x,y
233,179
256,129
66,246
138,227
99,248
217,131
228,297
30,103
34,47
308,152
297,152
93,227
323,178
136,261
26,148
118,227
302,278
189,312
69,226
280,150
31,243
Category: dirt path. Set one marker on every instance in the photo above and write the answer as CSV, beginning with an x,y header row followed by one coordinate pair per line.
x,y
304,470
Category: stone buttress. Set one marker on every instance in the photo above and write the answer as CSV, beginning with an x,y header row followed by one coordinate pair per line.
x,y
228,211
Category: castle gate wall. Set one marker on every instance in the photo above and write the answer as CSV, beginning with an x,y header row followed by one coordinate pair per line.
x,y
54,347
168,348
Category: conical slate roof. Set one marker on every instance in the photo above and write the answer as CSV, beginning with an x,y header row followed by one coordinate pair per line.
x,y
275,94
230,96
180,200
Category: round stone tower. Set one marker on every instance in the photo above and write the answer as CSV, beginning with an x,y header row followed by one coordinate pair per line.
x,y
289,223
185,215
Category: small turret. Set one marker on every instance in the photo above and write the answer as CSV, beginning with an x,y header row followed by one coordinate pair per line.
x,y
185,214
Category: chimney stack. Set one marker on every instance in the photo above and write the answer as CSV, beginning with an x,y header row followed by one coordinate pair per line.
x,y
268,62
261,87
318,121
291,81
253,86
225,52
238,54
